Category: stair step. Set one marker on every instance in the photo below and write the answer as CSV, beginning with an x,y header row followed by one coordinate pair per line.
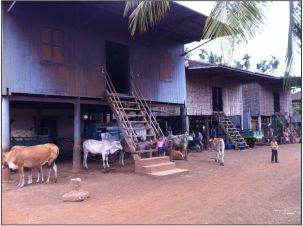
x,y
138,122
147,135
121,95
153,160
129,109
134,115
147,151
168,173
159,167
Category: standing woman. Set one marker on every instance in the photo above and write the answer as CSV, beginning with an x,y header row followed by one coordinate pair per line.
x,y
274,150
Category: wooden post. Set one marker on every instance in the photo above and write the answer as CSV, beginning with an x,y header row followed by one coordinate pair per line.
x,y
5,124
259,122
183,119
77,137
207,131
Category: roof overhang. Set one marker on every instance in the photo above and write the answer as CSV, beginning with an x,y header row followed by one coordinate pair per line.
x,y
235,74
181,24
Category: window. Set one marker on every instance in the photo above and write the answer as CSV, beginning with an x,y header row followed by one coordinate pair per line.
x,y
52,46
165,67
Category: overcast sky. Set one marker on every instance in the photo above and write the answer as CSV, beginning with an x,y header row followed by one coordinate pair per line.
x,y
271,41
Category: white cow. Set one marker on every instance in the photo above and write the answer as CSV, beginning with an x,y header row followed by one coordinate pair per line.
x,y
103,147
218,145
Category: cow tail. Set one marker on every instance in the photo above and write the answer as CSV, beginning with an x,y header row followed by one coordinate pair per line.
x,y
53,162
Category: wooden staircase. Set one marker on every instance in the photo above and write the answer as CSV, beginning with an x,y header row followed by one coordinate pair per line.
x,y
140,130
232,132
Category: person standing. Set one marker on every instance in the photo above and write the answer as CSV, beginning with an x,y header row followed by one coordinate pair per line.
x,y
274,150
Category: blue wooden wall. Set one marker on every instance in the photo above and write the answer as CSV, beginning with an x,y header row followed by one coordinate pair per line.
x,y
84,55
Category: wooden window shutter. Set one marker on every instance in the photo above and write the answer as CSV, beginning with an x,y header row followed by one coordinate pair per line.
x,y
165,67
57,36
46,52
46,36
58,55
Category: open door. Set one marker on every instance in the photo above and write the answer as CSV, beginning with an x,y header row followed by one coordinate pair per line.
x,y
276,102
117,65
217,99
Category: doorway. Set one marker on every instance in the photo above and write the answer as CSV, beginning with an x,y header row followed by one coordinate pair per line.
x,y
276,102
117,65
217,99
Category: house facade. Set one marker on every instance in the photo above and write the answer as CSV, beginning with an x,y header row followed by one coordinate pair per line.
x,y
56,54
250,100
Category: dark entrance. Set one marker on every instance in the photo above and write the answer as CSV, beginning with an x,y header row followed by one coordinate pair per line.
x,y
117,65
51,123
217,99
276,102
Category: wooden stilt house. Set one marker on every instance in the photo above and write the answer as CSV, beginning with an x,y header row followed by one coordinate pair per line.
x,y
66,65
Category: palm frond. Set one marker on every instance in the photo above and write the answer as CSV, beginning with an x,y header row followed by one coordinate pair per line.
x,y
289,52
145,14
236,21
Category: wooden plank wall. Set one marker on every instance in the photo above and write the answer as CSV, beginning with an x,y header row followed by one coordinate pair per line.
x,y
199,95
251,100
84,55
258,99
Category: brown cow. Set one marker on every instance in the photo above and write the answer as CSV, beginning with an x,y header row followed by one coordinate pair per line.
x,y
180,142
31,157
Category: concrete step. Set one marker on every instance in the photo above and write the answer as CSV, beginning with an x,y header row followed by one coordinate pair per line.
x,y
158,167
153,160
168,173
149,161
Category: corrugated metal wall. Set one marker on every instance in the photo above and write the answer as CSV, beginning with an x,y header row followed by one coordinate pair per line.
x,y
84,55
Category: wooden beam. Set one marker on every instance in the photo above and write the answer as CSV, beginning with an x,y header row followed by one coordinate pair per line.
x,y
77,137
47,99
11,7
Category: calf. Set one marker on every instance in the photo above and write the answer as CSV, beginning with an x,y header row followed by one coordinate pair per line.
x,y
103,147
179,141
31,157
218,145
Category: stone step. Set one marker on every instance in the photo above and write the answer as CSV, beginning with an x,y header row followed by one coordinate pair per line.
x,y
168,173
158,167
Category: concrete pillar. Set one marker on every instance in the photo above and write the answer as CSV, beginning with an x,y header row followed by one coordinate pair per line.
x,y
5,124
77,137
259,122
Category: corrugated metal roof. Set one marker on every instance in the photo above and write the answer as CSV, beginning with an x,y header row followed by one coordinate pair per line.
x,y
296,96
204,69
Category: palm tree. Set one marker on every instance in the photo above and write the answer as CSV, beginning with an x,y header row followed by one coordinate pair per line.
x,y
263,66
237,21
246,63
203,55
274,63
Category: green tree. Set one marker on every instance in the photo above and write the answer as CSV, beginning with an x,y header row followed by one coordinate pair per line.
x,y
239,65
246,63
203,55
268,66
263,66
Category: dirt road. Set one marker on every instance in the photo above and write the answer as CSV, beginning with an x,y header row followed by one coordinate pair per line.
x,y
247,190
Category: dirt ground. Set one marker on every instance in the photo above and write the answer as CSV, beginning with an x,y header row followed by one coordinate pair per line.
x,y
247,190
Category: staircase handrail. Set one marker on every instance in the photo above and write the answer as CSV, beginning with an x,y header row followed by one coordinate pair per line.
x,y
111,89
138,94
